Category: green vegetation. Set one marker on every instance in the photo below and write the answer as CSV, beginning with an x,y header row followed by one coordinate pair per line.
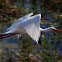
x,y
27,50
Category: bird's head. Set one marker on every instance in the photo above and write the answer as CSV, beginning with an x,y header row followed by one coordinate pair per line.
x,y
52,29
49,29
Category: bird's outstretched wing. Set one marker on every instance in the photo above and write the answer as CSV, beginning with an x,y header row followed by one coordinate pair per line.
x,y
19,21
32,27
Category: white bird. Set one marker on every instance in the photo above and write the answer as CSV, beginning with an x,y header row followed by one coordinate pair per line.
x,y
28,25
25,25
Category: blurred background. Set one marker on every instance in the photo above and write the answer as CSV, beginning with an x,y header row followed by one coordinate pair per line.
x,y
26,50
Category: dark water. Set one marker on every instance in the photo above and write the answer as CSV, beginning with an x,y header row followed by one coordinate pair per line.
x,y
57,43
56,39
13,49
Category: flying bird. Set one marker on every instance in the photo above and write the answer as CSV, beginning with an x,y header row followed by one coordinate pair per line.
x,y
25,25
28,25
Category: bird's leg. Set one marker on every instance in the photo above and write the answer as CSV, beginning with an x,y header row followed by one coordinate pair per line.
x,y
20,41
2,36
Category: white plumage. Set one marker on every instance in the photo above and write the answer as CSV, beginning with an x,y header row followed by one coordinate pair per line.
x,y
27,25
16,23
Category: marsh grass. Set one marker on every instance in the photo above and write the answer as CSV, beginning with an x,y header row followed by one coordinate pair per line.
x,y
26,50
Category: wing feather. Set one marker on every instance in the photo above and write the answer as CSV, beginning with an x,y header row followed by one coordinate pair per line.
x,y
20,20
32,27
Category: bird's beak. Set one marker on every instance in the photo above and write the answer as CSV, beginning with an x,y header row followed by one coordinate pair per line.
x,y
57,30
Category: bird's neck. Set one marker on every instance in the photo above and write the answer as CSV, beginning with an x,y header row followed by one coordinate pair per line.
x,y
46,30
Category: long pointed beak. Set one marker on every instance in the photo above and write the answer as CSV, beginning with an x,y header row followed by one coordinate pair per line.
x,y
57,30
2,36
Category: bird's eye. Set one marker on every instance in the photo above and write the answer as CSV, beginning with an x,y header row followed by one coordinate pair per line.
x,y
53,30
